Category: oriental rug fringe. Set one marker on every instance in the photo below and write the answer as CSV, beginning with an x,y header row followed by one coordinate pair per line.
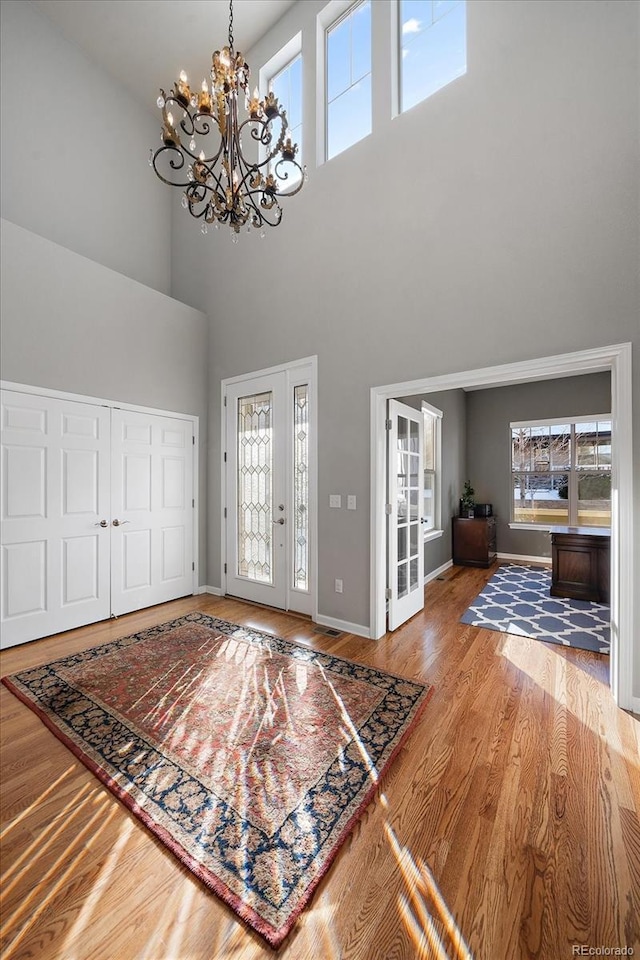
x,y
249,756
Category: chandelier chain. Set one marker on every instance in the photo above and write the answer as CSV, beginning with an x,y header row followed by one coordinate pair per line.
x,y
231,24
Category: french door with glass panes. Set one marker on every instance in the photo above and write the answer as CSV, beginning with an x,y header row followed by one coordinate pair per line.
x,y
405,509
269,488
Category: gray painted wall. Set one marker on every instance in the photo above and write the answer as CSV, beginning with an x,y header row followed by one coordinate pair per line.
x,y
71,324
453,405
489,413
74,152
495,222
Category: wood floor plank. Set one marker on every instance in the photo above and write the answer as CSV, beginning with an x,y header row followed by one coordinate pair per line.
x,y
507,827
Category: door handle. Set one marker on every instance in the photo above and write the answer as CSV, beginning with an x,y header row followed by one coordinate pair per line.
x,y
279,520
119,523
102,523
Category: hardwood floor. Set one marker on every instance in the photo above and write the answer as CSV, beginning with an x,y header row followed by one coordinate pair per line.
x,y
506,829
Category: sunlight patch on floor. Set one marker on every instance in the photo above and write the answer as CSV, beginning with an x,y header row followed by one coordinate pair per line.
x,y
72,855
78,931
425,909
43,796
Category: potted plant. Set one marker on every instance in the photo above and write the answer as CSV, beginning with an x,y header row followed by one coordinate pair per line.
x,y
467,501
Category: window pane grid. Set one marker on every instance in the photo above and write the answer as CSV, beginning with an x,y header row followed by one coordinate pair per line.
x,y
433,47
287,86
561,473
431,453
348,79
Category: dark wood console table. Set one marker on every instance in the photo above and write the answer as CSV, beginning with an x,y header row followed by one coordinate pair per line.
x,y
474,541
580,563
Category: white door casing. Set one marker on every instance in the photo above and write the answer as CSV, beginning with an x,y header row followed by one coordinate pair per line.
x,y
405,499
269,486
152,510
617,358
55,496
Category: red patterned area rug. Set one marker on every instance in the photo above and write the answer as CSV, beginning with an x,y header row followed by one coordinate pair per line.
x,y
249,756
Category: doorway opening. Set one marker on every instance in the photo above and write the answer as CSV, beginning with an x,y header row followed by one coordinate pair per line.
x,y
617,360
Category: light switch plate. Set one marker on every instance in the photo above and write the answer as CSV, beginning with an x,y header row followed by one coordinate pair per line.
x,y
351,501
335,500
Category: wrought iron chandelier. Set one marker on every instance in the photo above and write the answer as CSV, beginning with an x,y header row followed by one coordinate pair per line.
x,y
221,185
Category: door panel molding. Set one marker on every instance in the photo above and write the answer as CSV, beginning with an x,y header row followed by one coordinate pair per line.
x,y
79,433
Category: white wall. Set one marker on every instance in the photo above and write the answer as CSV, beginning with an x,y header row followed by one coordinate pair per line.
x,y
497,221
75,147
71,324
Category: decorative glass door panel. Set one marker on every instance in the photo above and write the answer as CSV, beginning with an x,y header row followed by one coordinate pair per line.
x,y
268,490
406,494
301,487
255,469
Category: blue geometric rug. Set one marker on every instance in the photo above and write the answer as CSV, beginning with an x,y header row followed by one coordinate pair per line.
x,y
516,600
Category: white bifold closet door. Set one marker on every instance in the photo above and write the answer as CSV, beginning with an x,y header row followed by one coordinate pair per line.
x,y
151,509
55,493
97,513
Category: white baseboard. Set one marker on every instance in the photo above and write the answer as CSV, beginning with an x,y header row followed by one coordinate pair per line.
x,y
545,561
635,704
344,626
436,573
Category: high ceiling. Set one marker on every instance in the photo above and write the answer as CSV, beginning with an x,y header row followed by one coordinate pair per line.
x,y
145,43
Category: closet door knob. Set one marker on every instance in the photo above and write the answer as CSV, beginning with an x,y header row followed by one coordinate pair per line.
x,y
119,523
101,523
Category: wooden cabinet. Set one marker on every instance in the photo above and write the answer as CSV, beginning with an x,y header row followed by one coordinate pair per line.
x,y
474,541
580,563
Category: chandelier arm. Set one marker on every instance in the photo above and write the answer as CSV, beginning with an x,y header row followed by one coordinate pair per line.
x,y
266,203
172,164
285,176
264,138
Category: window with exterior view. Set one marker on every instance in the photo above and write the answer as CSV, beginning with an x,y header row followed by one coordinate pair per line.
x,y
561,473
432,468
348,73
433,47
287,86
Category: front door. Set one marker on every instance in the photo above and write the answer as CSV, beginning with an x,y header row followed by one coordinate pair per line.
x,y
269,488
405,508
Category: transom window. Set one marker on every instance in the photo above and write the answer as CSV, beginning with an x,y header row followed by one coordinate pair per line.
x,y
348,79
287,86
433,47
561,472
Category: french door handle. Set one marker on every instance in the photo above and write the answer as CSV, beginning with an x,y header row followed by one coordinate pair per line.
x,y
119,523
102,523
279,520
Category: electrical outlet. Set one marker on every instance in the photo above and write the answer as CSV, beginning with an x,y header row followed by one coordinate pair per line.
x,y
338,586
351,501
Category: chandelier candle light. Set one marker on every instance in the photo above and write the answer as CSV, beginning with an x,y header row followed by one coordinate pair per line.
x,y
222,185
